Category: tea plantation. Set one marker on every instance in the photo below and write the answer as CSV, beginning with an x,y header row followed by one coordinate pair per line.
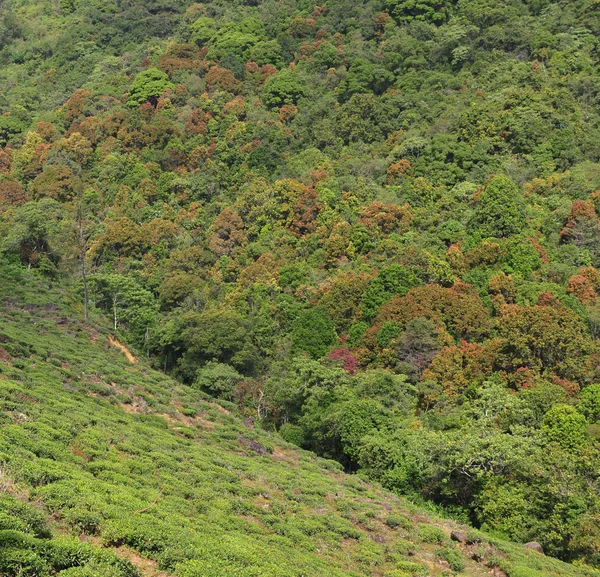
x,y
111,469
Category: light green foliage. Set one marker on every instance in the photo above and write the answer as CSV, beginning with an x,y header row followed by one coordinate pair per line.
x,y
356,332
388,331
431,534
407,10
589,403
293,434
454,558
27,547
507,510
521,258
235,38
565,426
357,419
218,379
148,86
203,29
285,87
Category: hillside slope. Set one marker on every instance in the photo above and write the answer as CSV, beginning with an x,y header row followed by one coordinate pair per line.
x,y
110,468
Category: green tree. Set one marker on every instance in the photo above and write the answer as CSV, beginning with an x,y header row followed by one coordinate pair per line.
x,y
10,126
432,10
313,331
215,334
285,87
203,30
218,379
147,86
128,303
589,403
34,233
364,76
521,257
388,331
501,210
392,280
564,425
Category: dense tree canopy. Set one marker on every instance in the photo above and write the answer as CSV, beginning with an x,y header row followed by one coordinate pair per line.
x,y
375,225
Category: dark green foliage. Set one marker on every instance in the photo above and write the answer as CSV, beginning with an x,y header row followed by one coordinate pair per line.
x,y
356,332
218,379
363,76
313,332
391,280
10,126
387,332
501,210
127,302
33,232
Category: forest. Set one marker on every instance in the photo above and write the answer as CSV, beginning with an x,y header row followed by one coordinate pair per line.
x,y
371,226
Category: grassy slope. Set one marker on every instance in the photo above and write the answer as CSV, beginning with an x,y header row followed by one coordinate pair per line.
x,y
138,467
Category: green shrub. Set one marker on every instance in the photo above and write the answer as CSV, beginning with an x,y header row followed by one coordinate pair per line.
x,y
432,534
293,434
454,558
412,568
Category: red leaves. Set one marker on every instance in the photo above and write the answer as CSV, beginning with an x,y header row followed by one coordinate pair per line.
x,y
348,360
585,285
547,339
227,233
11,194
306,211
459,308
5,162
223,79
386,217
73,109
582,213
457,367
182,57
301,27
398,170
287,113
197,123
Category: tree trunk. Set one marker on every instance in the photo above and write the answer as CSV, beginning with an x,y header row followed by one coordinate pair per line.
x,y
86,302
115,311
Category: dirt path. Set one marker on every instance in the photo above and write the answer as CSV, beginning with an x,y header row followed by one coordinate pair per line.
x,y
115,343
146,567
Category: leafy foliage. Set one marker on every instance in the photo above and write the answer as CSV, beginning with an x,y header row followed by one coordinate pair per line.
x,y
373,226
